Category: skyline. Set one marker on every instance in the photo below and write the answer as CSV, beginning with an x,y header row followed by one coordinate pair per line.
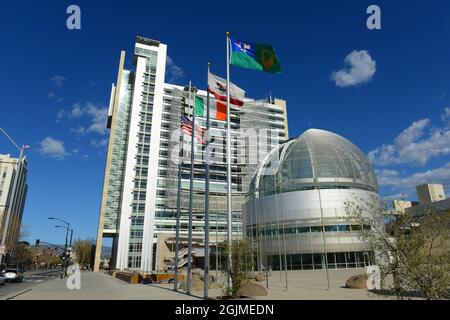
x,y
385,90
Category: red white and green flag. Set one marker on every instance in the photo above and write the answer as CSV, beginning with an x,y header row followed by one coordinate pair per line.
x,y
217,108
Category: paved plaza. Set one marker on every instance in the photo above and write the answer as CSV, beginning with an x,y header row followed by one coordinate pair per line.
x,y
302,285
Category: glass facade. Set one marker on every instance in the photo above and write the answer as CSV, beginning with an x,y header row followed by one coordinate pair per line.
x,y
142,158
317,159
138,167
317,261
295,208
119,147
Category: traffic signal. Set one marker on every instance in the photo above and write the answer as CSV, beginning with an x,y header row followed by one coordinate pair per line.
x,y
38,241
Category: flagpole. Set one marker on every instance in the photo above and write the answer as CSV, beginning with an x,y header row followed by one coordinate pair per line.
x,y
229,210
191,194
206,276
177,234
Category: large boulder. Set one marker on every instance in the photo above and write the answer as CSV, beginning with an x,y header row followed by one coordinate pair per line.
x,y
358,281
252,289
196,284
210,277
214,285
260,277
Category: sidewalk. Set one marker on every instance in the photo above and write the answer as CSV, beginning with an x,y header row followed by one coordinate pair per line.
x,y
99,286
307,285
303,285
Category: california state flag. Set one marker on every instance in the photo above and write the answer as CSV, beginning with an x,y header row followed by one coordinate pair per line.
x,y
217,86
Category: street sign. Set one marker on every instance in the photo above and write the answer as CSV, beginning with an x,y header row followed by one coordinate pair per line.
x,y
2,249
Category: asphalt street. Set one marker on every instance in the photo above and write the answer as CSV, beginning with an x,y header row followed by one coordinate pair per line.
x,y
30,279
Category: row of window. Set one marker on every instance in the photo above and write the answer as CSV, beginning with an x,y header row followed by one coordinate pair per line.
x,y
315,261
296,230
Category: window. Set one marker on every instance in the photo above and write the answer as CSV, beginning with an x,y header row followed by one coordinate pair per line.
x,y
316,229
137,221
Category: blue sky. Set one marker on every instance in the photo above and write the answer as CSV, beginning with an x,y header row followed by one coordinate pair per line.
x,y
387,91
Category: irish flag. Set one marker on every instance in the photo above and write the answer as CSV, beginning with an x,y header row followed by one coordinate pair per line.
x,y
217,109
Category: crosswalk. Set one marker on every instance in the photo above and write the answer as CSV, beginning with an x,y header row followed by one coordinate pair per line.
x,y
39,278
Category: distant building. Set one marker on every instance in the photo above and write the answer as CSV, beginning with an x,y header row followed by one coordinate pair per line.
x,y
401,205
431,197
436,206
11,199
430,192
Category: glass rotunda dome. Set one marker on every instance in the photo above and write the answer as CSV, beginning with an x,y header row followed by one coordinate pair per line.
x,y
316,159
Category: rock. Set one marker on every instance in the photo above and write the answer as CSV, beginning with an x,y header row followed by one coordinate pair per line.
x,y
252,290
196,285
211,278
358,281
197,275
260,277
214,285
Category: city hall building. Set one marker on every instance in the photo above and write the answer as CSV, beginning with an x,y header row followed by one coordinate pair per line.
x,y
295,208
139,199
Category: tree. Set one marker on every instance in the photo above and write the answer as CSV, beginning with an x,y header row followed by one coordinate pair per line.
x,y
413,250
241,265
19,249
83,251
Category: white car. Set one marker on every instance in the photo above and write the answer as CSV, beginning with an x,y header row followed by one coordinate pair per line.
x,y
13,275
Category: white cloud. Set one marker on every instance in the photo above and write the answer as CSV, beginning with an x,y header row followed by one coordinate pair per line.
x,y
96,115
52,148
57,81
101,144
174,72
446,116
393,178
51,95
416,145
80,131
359,68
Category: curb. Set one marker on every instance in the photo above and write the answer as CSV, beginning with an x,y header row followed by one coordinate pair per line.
x,y
16,294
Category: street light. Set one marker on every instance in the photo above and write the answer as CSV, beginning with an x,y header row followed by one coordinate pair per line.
x,y
71,234
13,192
69,250
67,229
65,245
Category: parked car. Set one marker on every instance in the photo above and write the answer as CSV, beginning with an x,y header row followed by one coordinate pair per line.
x,y
13,274
2,280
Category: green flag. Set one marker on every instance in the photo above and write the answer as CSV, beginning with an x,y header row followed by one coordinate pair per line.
x,y
199,106
254,56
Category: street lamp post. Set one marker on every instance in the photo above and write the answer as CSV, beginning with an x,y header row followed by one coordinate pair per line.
x,y
13,192
68,249
64,267
71,235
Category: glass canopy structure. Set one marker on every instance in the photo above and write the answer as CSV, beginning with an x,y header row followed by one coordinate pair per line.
x,y
295,208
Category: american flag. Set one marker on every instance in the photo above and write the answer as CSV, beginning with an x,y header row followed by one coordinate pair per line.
x,y
186,126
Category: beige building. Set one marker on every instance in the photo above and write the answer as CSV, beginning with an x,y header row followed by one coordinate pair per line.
x,y
430,192
10,199
401,205
431,197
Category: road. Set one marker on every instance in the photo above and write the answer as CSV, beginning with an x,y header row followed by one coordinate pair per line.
x,y
30,279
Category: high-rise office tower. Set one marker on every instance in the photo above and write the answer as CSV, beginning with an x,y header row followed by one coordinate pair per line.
x,y
139,200
12,198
